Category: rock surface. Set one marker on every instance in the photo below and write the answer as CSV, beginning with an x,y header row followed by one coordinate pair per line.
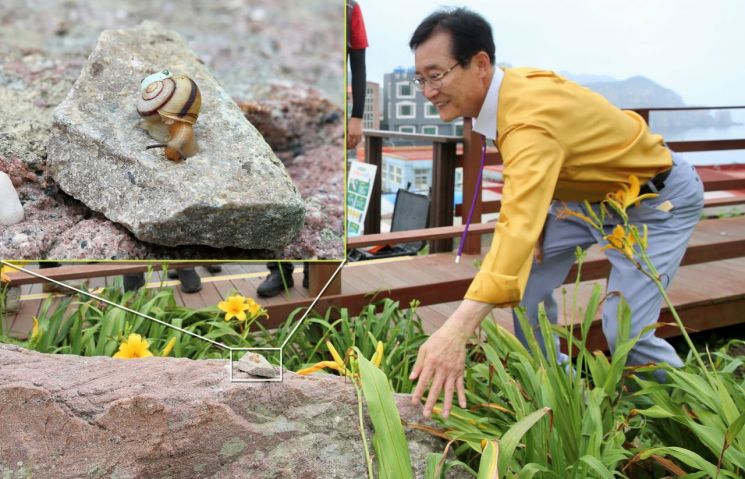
x,y
64,416
11,209
233,192
282,54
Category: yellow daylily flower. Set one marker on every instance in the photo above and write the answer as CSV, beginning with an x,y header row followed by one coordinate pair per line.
x,y
234,307
334,353
566,212
4,278
337,364
4,269
167,349
629,195
620,240
255,308
319,366
378,356
135,346
35,331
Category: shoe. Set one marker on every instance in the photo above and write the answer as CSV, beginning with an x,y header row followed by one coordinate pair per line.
x,y
272,285
172,274
190,280
213,268
133,282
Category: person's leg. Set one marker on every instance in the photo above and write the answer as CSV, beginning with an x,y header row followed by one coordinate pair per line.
x,y
133,282
190,280
274,284
668,236
561,237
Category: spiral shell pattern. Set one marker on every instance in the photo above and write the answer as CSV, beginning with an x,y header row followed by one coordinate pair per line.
x,y
176,98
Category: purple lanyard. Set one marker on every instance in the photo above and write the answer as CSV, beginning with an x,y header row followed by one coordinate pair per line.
x,y
476,192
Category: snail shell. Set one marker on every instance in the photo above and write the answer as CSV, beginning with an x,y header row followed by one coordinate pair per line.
x,y
170,105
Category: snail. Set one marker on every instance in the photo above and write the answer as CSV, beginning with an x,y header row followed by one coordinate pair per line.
x,y
169,105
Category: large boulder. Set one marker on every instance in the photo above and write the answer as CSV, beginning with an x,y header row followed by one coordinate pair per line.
x,y
64,416
233,193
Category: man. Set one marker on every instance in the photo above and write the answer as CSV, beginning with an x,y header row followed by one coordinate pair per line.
x,y
560,143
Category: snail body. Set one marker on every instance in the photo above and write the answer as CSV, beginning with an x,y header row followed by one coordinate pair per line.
x,y
169,105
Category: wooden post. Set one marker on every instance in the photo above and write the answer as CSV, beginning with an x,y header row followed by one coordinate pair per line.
x,y
374,156
644,113
471,164
443,187
319,274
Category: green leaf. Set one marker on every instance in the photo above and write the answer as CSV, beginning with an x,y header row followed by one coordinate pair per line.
x,y
489,463
432,463
597,466
734,429
392,448
509,441
685,456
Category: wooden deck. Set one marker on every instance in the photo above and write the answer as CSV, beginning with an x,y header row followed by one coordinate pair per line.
x,y
709,290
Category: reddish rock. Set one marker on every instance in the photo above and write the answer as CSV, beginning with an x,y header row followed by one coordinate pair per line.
x,y
65,416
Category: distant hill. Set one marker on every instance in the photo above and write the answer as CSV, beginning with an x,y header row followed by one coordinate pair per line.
x,y
641,92
586,78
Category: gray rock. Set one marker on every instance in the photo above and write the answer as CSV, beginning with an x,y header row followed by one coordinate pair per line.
x,y
233,192
65,416
11,209
254,364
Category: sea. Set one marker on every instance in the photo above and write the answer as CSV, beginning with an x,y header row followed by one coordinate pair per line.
x,y
726,157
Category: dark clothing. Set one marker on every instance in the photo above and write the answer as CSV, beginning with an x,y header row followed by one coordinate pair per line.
x,y
356,45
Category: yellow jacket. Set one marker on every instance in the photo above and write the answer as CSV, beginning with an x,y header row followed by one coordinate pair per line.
x,y
560,141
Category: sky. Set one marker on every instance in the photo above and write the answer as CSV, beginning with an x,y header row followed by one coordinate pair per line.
x,y
693,47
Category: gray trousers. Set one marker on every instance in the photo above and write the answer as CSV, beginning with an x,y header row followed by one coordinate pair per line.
x,y
669,233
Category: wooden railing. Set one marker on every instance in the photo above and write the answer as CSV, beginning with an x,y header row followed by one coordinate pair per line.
x,y
445,160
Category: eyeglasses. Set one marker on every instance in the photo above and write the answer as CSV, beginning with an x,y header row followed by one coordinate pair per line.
x,y
435,81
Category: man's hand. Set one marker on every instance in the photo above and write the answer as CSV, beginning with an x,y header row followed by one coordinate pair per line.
x,y
354,132
442,358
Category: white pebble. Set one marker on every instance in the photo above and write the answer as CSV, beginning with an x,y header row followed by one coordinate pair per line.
x,y
11,209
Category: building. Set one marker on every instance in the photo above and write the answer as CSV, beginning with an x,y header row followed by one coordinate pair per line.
x,y
406,110
371,118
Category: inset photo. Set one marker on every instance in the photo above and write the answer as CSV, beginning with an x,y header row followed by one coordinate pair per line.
x,y
205,131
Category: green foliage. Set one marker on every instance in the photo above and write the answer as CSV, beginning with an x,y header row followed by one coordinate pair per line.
x,y
581,419
590,417
89,327
400,330
389,439
85,326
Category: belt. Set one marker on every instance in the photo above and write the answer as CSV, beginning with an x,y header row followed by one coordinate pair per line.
x,y
656,184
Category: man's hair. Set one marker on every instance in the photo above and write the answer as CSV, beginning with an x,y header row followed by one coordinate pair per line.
x,y
469,33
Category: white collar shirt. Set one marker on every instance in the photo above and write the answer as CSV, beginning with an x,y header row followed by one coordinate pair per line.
x,y
486,123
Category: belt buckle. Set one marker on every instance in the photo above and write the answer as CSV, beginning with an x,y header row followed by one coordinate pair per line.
x,y
657,183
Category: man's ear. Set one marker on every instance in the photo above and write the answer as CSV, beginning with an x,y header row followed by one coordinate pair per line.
x,y
482,63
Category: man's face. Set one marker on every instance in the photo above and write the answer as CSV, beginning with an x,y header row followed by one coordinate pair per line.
x,y
456,94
